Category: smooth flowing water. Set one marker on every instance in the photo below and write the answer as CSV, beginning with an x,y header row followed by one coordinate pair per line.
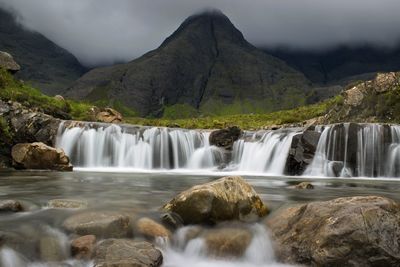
x,y
146,193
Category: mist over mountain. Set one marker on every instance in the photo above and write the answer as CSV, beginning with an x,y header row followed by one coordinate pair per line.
x,y
105,32
43,63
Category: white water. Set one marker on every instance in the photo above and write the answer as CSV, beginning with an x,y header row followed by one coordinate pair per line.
x,y
170,149
267,155
376,152
194,254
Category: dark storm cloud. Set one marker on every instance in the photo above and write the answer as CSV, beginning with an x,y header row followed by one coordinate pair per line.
x,y
105,31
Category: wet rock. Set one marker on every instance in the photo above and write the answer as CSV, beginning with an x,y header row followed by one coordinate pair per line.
x,y
126,253
352,231
227,242
225,137
229,198
304,185
51,249
105,224
8,63
82,247
107,115
67,204
10,205
40,156
302,152
172,220
151,229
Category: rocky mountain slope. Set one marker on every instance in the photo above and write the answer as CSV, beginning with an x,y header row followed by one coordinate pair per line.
x,y
206,66
43,64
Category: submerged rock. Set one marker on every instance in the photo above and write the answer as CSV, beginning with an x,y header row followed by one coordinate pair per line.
x,y
67,204
151,229
352,231
40,156
225,137
82,247
51,249
304,185
227,242
126,253
10,205
105,224
229,198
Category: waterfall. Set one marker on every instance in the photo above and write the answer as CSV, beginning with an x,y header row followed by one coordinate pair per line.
x,y
115,146
267,155
138,148
357,150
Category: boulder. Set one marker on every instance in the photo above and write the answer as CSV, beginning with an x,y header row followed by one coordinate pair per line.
x,y
304,185
67,204
351,231
107,115
227,242
59,97
225,137
10,205
126,253
229,198
302,152
40,156
8,63
82,247
151,229
105,224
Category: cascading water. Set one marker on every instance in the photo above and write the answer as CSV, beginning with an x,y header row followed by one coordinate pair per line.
x,y
108,146
151,148
360,150
266,155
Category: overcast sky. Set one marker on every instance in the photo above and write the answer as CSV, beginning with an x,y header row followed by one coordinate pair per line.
x,y
104,31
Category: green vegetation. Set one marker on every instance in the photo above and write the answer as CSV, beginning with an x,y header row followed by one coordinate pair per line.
x,y
5,132
11,89
244,121
179,115
383,107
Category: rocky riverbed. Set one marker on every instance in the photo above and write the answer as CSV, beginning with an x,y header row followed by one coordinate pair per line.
x,y
93,219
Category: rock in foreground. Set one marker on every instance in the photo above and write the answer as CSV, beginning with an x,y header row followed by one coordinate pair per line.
x,y
353,231
105,224
40,156
229,198
126,253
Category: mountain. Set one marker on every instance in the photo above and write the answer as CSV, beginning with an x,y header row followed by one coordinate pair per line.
x,y
342,64
45,65
205,65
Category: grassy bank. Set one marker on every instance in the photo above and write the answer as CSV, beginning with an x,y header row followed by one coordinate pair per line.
x,y
11,89
245,121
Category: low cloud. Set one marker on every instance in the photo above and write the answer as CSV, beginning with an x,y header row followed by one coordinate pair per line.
x,y
104,31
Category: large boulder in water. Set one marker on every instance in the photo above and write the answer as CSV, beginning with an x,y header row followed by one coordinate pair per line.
x,y
352,231
126,253
225,137
40,156
302,152
229,198
102,224
8,63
